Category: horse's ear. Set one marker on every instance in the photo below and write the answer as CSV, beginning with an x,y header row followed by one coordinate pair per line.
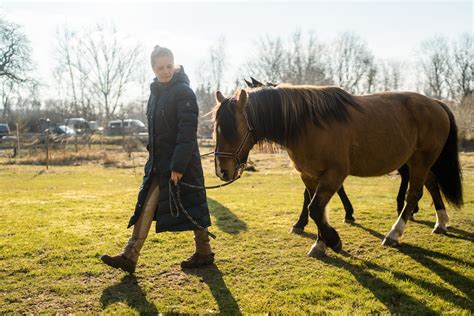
x,y
256,83
220,97
249,84
242,99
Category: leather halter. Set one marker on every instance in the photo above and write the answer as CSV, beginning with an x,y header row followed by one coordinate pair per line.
x,y
239,164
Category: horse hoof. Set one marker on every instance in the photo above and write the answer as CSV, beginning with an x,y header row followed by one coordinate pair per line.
x,y
297,230
440,230
389,242
349,220
412,218
316,253
338,247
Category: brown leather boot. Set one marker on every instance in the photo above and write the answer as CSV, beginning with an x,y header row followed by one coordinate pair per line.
x,y
119,262
197,260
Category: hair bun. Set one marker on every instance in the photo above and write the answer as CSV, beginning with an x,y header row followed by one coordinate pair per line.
x,y
156,47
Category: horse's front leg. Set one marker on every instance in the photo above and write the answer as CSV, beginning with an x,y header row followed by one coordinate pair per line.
x,y
402,191
328,183
298,227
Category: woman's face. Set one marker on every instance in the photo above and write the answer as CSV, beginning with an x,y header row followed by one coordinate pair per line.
x,y
163,68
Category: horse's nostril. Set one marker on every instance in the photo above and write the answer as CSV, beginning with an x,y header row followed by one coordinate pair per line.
x,y
224,174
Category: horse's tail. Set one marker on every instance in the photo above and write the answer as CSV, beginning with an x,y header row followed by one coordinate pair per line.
x,y
447,168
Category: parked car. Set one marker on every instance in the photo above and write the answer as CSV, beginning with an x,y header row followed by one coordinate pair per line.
x,y
79,124
57,134
4,130
127,126
95,127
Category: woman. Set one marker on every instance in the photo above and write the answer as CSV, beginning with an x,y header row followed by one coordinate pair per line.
x,y
172,114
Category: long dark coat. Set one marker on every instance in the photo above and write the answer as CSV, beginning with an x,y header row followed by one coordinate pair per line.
x,y
172,114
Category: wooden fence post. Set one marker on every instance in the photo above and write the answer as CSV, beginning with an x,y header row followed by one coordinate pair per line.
x,y
17,141
47,148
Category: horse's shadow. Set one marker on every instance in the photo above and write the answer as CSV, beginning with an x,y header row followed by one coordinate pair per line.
x,y
213,277
429,259
389,295
226,220
128,290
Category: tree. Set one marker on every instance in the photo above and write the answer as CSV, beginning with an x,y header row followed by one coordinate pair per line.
x,y
304,61
15,63
351,62
15,59
434,60
109,64
269,62
391,78
97,66
211,75
461,66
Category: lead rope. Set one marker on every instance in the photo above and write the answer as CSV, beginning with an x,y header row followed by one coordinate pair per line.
x,y
176,200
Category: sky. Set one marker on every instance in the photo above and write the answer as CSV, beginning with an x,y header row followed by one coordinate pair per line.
x,y
392,29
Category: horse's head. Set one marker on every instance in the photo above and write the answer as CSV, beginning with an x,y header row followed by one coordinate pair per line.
x,y
233,136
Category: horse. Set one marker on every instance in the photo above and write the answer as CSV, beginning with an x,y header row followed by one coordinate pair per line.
x,y
300,225
330,134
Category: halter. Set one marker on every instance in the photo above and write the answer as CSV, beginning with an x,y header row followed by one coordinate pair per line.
x,y
239,165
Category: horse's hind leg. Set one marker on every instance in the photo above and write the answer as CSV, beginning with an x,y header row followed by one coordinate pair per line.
x,y
419,170
299,226
348,218
441,215
327,185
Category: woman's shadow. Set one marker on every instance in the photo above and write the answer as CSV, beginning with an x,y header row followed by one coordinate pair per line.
x,y
129,291
213,277
227,221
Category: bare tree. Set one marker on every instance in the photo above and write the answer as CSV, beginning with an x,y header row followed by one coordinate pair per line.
x,y
143,74
461,67
269,62
15,59
391,76
15,63
108,65
7,88
304,61
434,60
66,71
350,62
210,77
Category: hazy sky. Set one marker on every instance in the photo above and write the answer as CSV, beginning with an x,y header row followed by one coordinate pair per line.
x,y
392,29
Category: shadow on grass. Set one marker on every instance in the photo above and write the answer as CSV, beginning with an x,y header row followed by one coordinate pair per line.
x,y
396,301
213,277
226,220
427,259
129,291
453,232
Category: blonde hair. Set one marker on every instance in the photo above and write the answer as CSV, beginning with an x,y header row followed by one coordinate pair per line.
x,y
159,51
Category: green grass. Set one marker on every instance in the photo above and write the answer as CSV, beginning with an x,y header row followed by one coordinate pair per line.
x,y
56,224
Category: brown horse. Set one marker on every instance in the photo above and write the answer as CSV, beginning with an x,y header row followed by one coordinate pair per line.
x,y
330,134
300,225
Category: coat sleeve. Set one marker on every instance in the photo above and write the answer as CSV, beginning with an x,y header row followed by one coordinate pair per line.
x,y
187,118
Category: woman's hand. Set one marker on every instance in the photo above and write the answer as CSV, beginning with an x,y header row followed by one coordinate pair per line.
x,y
176,177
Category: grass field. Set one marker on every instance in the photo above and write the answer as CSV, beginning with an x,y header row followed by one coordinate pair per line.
x,y
55,224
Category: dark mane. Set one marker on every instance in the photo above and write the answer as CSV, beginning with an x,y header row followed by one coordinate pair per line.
x,y
279,114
